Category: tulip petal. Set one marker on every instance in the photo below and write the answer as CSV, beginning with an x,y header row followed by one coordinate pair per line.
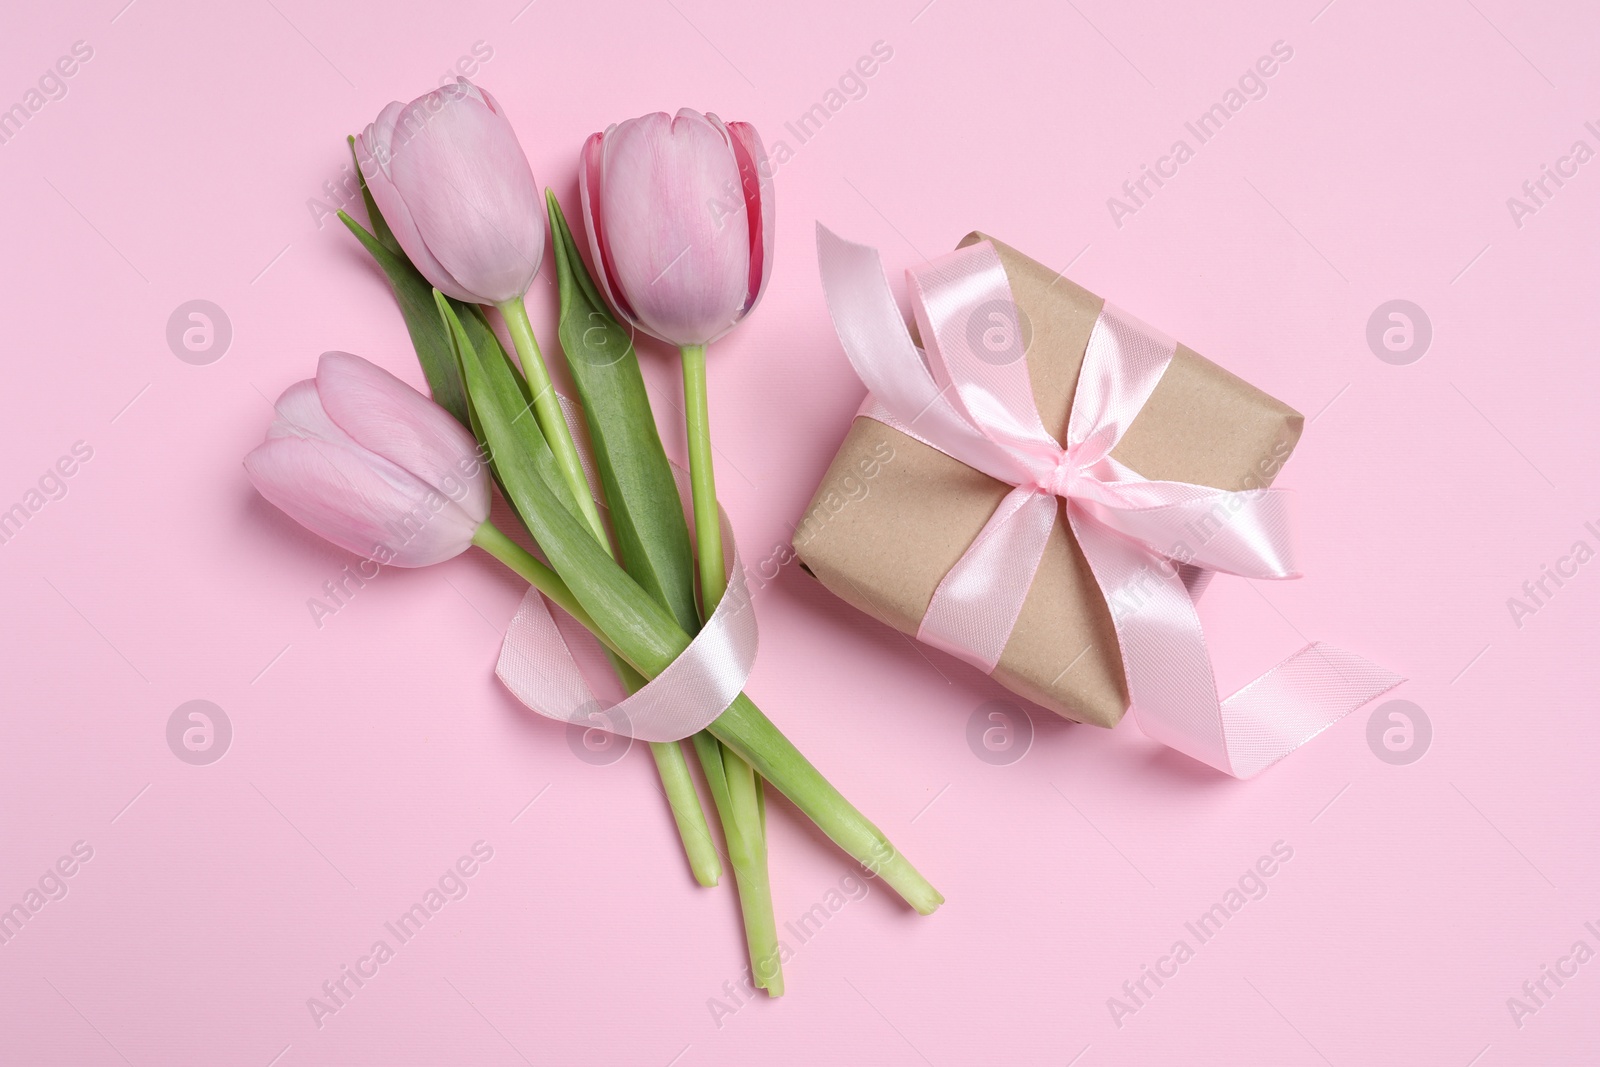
x,y
375,150
359,501
760,203
471,192
301,414
675,225
381,413
590,173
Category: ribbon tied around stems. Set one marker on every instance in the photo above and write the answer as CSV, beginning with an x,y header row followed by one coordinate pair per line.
x,y
1150,544
538,665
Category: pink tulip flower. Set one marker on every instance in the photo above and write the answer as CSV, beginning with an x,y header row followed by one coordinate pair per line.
x,y
680,216
361,458
453,184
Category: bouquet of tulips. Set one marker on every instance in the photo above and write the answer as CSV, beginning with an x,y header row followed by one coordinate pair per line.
x,y
678,213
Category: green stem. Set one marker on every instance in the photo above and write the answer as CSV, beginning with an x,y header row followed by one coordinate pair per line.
x,y
673,769
744,730
709,749
687,813
747,851
745,816
703,479
678,786
547,410
528,567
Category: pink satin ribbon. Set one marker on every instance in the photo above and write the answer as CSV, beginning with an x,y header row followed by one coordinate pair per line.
x,y
538,666
1150,544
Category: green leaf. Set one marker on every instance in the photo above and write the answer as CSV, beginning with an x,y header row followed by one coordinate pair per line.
x,y
646,510
428,335
643,631
414,293
380,226
524,435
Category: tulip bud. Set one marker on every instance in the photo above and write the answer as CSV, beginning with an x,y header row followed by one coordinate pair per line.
x,y
679,212
453,184
366,461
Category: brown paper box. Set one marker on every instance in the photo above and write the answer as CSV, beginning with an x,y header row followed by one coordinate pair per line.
x,y
893,515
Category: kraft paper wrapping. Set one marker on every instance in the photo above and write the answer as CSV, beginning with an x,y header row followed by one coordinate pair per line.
x,y
893,515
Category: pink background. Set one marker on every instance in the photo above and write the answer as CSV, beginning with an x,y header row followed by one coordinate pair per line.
x,y
369,754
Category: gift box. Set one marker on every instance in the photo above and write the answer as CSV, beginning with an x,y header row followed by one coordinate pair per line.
x,y
893,515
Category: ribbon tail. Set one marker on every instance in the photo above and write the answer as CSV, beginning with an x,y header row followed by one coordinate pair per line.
x,y
537,666
1295,701
1170,684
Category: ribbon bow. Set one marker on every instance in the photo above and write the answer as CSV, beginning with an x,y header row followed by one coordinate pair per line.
x,y
1150,544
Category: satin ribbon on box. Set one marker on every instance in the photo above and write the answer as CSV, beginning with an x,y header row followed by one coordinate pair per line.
x,y
538,666
968,395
